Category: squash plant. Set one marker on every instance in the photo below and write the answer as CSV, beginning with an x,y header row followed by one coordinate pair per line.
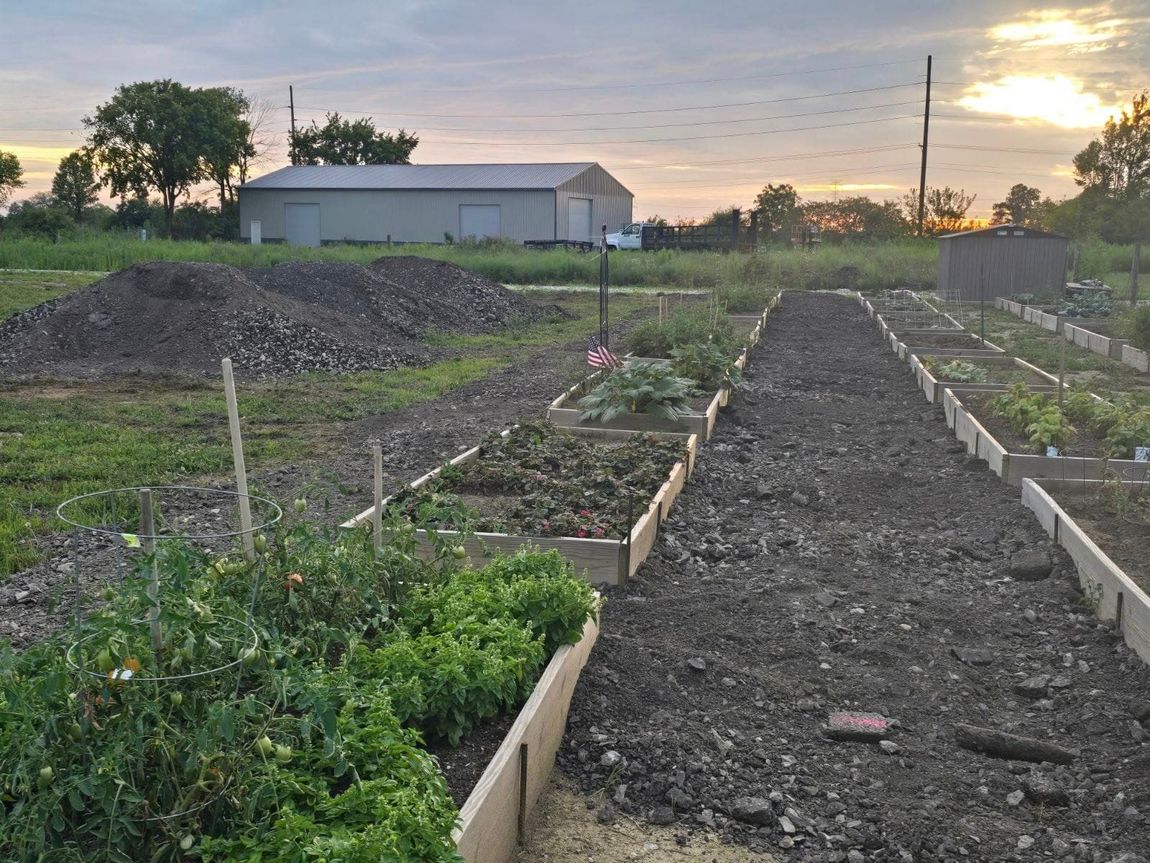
x,y
648,388
708,364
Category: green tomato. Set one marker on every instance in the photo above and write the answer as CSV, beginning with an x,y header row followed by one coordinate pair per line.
x,y
283,754
75,732
260,543
104,661
459,552
300,504
187,841
249,656
177,698
46,776
265,746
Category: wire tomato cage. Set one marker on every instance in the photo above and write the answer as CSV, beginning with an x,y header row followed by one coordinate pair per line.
x,y
128,523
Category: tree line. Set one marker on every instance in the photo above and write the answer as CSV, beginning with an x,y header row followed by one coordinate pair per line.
x,y
164,138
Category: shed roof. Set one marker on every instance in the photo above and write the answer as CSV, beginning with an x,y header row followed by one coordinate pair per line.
x,y
546,175
1011,231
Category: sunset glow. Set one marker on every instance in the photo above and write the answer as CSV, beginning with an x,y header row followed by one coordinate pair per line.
x,y
1054,99
1050,28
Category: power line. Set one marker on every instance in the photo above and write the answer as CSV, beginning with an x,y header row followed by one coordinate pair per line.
x,y
668,140
785,157
644,85
985,149
695,184
673,125
392,113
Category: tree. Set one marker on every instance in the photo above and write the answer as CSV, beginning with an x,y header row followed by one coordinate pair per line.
x,y
259,116
1114,172
776,205
75,184
1118,163
857,216
340,142
10,175
228,134
1020,207
945,209
40,215
155,135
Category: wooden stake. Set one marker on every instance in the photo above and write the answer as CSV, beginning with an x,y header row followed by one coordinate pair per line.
x,y
238,461
148,543
377,509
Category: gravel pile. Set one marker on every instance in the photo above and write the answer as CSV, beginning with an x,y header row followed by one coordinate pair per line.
x,y
460,300
183,318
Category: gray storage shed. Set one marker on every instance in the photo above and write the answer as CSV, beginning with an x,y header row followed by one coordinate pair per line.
x,y
1002,261
309,205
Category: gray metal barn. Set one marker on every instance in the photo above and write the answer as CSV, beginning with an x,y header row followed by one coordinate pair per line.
x,y
1002,261
308,204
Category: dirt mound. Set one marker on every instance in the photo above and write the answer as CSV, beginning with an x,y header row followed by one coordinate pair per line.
x,y
462,301
183,318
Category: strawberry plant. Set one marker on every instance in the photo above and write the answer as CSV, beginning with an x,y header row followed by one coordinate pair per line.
x,y
539,481
654,389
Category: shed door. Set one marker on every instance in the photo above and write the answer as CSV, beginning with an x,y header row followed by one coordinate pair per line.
x,y
301,224
479,221
579,219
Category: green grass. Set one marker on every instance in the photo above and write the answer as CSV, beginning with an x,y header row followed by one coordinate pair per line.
x,y
875,266
20,291
62,439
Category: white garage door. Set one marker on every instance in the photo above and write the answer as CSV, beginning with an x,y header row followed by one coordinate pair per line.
x,y
579,219
478,220
301,224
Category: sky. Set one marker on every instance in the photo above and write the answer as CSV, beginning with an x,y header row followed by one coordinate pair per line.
x,y
693,107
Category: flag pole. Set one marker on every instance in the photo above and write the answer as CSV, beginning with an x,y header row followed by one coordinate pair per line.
x,y
603,275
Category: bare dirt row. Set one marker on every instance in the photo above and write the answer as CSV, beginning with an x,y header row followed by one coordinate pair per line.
x,y
837,551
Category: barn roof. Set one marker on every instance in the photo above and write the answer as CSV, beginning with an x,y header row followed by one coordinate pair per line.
x,y
1011,231
547,175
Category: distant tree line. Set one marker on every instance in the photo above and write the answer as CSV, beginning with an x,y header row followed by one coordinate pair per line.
x,y
162,138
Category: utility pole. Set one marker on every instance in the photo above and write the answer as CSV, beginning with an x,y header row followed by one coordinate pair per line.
x,y
291,148
925,135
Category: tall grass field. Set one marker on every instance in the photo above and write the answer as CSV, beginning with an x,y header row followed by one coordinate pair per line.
x,y
866,266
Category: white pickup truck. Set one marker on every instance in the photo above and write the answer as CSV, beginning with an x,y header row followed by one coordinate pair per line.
x,y
631,237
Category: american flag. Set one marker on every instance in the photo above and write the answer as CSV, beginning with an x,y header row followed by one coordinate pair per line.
x,y
599,357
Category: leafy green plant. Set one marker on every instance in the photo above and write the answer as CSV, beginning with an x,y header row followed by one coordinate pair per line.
x,y
1139,327
959,371
1035,415
683,327
639,388
1098,305
709,365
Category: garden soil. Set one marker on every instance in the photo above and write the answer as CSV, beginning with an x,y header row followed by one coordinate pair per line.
x,y
183,318
835,551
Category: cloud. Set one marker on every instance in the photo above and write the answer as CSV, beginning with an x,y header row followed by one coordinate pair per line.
x,y
1055,99
1062,28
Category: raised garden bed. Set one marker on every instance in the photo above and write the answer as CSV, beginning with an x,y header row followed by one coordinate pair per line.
x,y
602,557
564,412
1011,456
492,819
941,344
1097,338
1105,548
1000,371
1135,358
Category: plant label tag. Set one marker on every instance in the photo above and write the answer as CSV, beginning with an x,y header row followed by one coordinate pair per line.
x,y
131,540
1142,453
1052,452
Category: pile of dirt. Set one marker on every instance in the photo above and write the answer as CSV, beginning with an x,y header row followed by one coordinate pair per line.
x,y
183,318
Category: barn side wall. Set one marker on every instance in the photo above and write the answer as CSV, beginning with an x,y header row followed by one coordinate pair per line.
x,y
408,216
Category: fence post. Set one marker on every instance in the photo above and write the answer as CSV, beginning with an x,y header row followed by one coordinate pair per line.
x,y
754,229
736,218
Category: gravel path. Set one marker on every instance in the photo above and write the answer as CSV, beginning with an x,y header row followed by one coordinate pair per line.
x,y
836,551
